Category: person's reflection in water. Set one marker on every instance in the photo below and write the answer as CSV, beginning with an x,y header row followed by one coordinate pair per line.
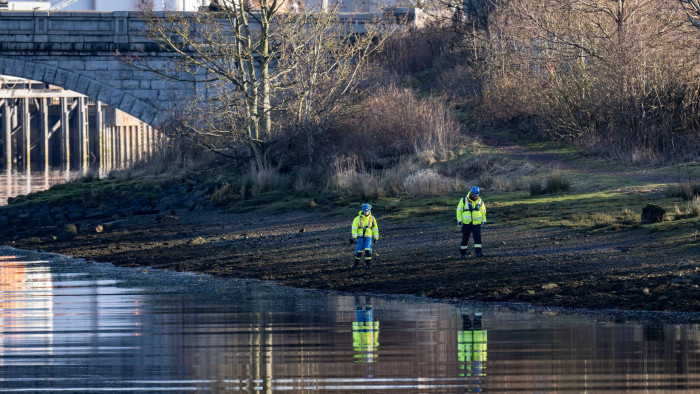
x,y
471,348
365,332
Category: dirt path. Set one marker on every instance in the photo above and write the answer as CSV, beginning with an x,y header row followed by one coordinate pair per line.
x,y
510,148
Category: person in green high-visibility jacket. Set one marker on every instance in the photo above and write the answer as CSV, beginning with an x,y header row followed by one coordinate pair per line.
x,y
471,217
471,347
365,332
364,231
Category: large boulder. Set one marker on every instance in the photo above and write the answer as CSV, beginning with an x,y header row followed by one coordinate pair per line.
x,y
69,232
653,213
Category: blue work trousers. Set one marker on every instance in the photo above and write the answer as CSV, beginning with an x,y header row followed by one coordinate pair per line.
x,y
364,244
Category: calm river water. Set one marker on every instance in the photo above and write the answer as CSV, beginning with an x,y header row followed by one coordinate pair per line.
x,y
68,325
16,183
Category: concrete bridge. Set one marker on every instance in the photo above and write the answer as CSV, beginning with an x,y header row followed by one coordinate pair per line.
x,y
76,51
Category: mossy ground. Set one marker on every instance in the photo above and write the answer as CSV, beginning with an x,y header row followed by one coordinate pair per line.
x,y
582,248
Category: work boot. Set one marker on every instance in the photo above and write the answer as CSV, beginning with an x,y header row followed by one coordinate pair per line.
x,y
355,264
368,265
462,256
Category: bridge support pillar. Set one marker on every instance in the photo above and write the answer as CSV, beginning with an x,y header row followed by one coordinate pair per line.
x,y
134,147
83,134
65,134
44,139
122,146
113,147
26,136
149,141
99,131
7,134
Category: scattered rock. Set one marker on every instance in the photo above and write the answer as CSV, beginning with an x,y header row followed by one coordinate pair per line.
x,y
169,220
197,241
99,228
34,240
550,286
653,213
112,225
69,232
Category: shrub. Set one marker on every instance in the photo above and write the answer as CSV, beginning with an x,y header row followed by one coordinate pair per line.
x,y
350,177
556,183
627,217
535,187
427,183
394,122
694,206
223,195
486,181
686,191
258,181
306,182
600,220
395,176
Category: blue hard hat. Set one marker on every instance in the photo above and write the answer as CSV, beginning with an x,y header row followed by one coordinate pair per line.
x,y
366,208
475,190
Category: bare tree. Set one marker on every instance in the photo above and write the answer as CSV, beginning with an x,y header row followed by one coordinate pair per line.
x,y
332,74
250,61
692,8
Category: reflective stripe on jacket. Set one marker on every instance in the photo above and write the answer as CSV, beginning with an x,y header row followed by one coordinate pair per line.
x,y
365,226
471,211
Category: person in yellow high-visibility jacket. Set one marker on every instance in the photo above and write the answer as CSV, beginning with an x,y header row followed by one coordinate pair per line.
x,y
364,232
365,332
471,346
471,217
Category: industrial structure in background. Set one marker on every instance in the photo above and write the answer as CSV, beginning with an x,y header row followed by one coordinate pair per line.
x,y
100,5
126,5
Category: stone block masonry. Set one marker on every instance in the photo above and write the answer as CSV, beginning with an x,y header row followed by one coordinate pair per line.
x,y
78,51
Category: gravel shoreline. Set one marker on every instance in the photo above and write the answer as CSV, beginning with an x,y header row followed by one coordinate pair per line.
x,y
625,270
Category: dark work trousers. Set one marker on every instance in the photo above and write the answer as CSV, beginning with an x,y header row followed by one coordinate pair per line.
x,y
467,229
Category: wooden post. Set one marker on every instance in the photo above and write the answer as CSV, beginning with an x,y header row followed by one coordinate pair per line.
x,y
26,136
7,136
44,138
65,133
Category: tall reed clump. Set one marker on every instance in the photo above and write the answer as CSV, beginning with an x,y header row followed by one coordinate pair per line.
x,y
687,191
554,183
395,121
428,183
257,181
351,177
694,206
